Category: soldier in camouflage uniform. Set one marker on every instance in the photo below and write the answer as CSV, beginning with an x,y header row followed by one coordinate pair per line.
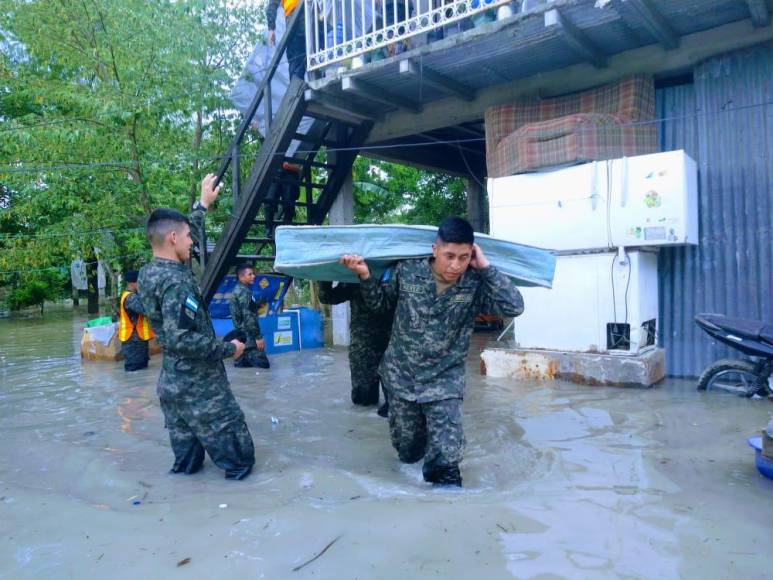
x,y
244,314
436,301
369,337
199,408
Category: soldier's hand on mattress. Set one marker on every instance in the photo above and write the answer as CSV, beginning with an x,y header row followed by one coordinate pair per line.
x,y
479,259
260,344
356,264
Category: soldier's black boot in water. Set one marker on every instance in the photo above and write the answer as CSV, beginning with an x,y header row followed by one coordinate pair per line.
x,y
190,460
444,476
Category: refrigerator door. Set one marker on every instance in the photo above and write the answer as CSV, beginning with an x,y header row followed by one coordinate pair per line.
x,y
561,210
654,200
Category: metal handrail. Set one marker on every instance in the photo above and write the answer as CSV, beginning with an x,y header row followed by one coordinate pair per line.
x,y
234,150
337,30
264,89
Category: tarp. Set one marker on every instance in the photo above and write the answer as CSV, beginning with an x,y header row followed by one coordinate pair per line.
x,y
268,288
246,87
312,252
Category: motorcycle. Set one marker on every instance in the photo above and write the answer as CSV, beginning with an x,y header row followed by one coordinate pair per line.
x,y
753,338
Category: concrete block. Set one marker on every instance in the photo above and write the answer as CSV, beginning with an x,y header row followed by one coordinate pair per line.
x,y
642,370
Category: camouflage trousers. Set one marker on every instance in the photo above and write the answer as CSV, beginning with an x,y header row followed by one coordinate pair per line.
x,y
135,353
214,423
253,358
364,358
429,430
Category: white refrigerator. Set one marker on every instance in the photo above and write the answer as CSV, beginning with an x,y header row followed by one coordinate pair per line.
x,y
606,219
648,200
596,304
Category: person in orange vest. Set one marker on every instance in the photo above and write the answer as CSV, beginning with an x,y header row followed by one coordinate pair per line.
x,y
134,329
296,43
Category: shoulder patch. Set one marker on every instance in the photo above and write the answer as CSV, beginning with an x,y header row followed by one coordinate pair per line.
x,y
192,304
188,310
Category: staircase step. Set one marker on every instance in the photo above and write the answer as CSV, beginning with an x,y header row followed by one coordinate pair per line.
x,y
318,164
262,222
255,257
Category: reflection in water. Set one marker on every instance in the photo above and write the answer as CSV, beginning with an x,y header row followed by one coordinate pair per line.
x,y
561,479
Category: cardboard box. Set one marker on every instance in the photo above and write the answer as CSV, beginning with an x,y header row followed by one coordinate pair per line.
x,y
94,349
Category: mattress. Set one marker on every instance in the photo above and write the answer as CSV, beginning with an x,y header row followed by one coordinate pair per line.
x,y
312,252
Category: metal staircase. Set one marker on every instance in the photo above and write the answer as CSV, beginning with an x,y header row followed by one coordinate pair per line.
x,y
326,153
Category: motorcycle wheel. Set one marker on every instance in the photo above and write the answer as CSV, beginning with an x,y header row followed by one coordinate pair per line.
x,y
732,376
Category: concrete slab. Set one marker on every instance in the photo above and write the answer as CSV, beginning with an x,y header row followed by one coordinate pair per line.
x,y
642,370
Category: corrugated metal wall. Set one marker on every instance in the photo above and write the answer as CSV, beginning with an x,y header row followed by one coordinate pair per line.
x,y
725,122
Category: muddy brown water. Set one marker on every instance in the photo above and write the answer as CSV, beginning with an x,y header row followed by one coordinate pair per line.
x,y
561,480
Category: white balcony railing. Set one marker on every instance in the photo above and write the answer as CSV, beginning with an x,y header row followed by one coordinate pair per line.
x,y
338,30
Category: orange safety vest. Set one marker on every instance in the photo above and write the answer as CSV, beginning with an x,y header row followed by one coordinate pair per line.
x,y
126,328
289,6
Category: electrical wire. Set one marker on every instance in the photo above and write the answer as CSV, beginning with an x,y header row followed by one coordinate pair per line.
x,y
122,165
69,234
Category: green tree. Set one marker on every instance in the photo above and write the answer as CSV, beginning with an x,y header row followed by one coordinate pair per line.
x,y
112,107
391,193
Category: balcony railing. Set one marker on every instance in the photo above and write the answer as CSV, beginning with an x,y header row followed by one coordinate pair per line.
x,y
338,30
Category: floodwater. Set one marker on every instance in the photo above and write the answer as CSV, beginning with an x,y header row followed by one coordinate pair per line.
x,y
561,480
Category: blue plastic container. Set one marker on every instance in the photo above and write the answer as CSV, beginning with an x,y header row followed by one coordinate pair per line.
x,y
282,332
312,332
295,329
764,465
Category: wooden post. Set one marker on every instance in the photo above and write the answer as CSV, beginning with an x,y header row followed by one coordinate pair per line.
x,y
342,213
477,205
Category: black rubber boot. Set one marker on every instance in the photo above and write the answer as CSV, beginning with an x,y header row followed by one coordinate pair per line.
x,y
189,461
445,476
383,410
238,473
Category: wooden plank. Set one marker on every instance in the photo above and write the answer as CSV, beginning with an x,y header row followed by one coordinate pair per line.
x,y
436,80
575,38
642,13
760,15
334,106
255,257
652,59
432,159
377,94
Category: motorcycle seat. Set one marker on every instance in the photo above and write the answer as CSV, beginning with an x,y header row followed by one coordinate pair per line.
x,y
766,333
742,327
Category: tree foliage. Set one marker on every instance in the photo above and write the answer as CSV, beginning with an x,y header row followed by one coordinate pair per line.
x,y
113,107
391,193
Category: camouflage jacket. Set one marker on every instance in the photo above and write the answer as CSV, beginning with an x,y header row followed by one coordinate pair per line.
x,y
134,307
179,318
365,323
430,340
244,312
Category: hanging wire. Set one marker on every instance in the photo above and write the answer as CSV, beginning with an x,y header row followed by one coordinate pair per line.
x,y
38,167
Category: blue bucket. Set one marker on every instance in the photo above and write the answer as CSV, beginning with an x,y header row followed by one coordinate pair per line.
x,y
764,465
